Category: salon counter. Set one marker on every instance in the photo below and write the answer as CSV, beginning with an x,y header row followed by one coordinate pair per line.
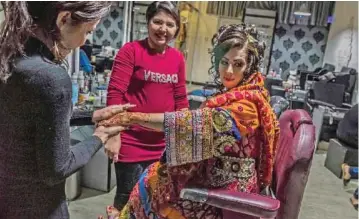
x,y
81,117
99,172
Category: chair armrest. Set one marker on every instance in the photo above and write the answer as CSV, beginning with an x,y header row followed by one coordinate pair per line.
x,y
81,118
318,102
347,105
241,202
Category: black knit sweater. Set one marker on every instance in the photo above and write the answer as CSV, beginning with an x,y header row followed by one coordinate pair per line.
x,y
35,153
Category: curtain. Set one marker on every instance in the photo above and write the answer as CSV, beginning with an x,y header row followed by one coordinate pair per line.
x,y
319,10
264,5
228,9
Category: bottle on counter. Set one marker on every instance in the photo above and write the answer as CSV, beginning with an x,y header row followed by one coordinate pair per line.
x,y
75,89
81,80
75,93
280,72
97,101
102,94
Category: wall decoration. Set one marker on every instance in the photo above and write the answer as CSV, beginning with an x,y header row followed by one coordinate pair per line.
x,y
298,47
109,31
288,44
299,34
280,32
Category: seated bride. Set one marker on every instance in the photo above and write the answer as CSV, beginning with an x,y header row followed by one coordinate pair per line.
x,y
229,143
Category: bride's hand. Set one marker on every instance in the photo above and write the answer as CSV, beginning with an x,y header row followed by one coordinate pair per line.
x,y
112,147
109,112
126,119
120,119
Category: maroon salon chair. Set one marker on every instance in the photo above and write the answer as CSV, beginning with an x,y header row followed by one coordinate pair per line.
x,y
291,170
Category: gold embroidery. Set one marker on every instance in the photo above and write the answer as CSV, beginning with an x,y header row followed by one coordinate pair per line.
x,y
189,136
221,142
227,169
184,136
221,121
207,141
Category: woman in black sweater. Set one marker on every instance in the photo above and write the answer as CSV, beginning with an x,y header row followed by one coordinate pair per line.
x,y
35,105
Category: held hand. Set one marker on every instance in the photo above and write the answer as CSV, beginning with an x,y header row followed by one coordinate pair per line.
x,y
104,133
112,147
109,112
126,119
122,119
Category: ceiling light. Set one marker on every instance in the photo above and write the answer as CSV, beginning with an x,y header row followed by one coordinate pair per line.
x,y
303,11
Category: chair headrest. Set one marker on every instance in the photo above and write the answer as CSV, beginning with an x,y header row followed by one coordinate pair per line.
x,y
329,67
349,70
296,118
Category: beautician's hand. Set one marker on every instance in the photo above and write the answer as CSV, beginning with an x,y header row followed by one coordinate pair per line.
x,y
109,111
112,147
104,133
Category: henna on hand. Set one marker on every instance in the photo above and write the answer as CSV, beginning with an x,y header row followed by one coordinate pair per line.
x,y
126,119
123,119
141,117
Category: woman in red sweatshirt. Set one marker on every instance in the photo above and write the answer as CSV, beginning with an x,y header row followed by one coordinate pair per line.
x,y
151,75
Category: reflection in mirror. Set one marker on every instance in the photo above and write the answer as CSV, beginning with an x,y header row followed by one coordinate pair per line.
x,y
199,22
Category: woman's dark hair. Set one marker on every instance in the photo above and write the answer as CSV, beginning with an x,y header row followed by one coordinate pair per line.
x,y
22,17
240,36
167,7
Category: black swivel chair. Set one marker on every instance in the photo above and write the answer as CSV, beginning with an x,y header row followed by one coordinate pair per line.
x,y
327,107
312,75
329,67
352,80
269,82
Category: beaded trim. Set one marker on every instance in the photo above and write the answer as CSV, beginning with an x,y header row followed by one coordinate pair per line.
x,y
170,136
207,129
197,133
189,136
184,142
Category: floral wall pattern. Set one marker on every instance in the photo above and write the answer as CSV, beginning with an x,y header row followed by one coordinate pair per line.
x,y
298,47
109,31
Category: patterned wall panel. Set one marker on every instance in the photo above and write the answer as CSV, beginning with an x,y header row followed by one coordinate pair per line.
x,y
298,47
109,31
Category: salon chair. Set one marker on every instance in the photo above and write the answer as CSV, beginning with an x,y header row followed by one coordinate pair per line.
x,y
103,63
350,83
279,105
198,96
346,77
329,67
327,105
271,82
305,75
290,175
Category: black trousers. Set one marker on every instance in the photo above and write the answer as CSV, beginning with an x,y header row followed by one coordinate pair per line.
x,y
127,175
348,138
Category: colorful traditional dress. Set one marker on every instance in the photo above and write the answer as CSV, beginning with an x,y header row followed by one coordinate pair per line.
x,y
230,144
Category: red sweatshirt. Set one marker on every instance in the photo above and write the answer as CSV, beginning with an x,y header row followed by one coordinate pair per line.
x,y
155,83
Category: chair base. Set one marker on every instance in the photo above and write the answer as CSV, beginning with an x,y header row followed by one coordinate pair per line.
x,y
339,153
